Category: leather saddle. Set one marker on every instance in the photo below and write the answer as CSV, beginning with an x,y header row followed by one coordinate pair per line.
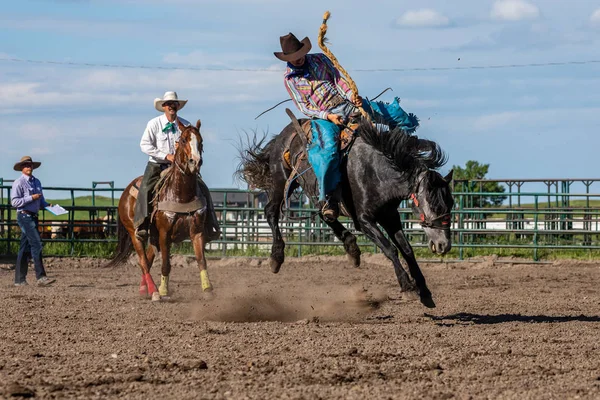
x,y
345,140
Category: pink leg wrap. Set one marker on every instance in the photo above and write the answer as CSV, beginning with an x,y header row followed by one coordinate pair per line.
x,y
150,283
143,287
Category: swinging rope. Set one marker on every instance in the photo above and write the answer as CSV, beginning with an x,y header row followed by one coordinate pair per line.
x,y
328,53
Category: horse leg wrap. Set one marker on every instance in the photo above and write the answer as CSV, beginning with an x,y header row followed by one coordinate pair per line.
x,y
163,290
150,283
206,285
143,287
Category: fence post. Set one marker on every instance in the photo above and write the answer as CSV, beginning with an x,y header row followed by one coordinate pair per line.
x,y
224,223
535,229
71,222
109,183
461,225
9,229
587,217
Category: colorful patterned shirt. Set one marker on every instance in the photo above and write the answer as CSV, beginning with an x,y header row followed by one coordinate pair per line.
x,y
317,86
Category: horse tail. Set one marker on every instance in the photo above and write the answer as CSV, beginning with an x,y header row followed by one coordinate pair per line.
x,y
254,166
124,246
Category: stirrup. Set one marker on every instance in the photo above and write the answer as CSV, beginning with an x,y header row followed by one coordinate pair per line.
x,y
329,213
141,234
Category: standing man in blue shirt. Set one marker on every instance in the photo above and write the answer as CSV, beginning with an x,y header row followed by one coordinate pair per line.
x,y
27,197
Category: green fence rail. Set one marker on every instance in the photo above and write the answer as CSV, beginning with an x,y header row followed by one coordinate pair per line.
x,y
535,224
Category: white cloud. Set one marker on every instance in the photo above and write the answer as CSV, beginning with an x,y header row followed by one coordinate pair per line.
x,y
88,90
595,18
536,36
424,18
514,10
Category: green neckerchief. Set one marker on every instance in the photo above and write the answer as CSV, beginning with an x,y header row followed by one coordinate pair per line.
x,y
170,126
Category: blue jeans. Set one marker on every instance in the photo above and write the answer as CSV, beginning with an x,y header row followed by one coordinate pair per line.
x,y
323,152
31,247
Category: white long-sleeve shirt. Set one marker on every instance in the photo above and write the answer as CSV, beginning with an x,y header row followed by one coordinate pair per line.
x,y
158,144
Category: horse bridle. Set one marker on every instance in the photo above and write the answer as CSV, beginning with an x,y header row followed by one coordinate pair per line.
x,y
441,222
181,169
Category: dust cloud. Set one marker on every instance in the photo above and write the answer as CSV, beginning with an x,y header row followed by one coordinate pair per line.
x,y
252,304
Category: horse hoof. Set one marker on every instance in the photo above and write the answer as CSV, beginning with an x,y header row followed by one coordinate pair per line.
x,y
410,295
155,296
428,302
275,266
354,260
143,291
208,295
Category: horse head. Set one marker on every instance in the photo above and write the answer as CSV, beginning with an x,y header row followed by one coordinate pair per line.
x,y
432,203
188,156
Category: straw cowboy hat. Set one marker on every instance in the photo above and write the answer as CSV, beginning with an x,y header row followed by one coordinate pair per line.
x,y
293,49
169,96
24,160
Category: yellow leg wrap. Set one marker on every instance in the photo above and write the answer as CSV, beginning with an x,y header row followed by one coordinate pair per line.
x,y
163,290
206,285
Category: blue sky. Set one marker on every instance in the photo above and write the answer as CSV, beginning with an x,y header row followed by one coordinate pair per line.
x,y
85,123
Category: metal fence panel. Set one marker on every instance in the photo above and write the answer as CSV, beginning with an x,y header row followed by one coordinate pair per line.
x,y
551,219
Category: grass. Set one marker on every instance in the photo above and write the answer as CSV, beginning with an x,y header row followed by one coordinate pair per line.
x,y
105,249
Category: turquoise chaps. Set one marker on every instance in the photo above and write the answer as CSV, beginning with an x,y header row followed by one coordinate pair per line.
x,y
323,152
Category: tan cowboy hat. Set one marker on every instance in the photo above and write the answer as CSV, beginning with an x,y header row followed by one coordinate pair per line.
x,y
26,159
169,96
293,49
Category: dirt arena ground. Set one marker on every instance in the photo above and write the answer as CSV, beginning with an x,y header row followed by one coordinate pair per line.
x,y
318,329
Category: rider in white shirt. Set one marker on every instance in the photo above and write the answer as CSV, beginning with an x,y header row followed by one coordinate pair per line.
x,y
158,141
160,137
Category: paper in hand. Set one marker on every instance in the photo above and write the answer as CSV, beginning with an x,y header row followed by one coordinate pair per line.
x,y
56,210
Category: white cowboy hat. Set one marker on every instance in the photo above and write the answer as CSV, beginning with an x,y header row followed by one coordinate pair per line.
x,y
169,96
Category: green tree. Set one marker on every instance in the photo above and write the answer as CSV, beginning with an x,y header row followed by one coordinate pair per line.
x,y
463,178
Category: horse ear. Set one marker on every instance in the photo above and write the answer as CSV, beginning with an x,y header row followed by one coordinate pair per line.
x,y
198,124
180,125
448,178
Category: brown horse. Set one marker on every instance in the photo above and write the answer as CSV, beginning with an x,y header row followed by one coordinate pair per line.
x,y
180,211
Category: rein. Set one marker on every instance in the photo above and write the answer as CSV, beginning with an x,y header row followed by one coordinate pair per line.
x,y
178,166
163,182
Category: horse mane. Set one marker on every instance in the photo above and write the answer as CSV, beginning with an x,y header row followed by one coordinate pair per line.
x,y
254,156
407,152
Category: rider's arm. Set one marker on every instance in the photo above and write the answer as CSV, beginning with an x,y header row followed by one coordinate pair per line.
x,y
148,142
303,101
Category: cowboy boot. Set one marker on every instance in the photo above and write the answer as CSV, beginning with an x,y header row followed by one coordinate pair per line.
x,y
141,232
331,209
143,205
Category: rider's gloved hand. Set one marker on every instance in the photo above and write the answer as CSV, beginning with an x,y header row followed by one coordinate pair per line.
x,y
336,119
357,100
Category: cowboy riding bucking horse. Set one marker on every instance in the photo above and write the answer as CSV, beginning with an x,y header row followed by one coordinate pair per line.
x,y
323,95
